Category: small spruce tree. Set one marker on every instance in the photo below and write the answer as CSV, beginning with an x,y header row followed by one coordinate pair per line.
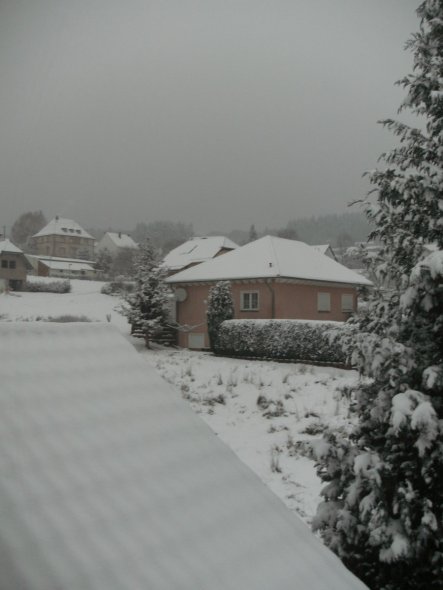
x,y
383,502
146,307
220,308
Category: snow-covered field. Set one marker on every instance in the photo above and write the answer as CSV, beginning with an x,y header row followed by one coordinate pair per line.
x,y
262,410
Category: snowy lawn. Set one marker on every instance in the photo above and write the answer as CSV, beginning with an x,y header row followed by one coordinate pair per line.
x,y
261,410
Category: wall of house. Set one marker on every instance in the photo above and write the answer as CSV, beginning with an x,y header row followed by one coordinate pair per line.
x,y
289,300
15,277
69,246
297,301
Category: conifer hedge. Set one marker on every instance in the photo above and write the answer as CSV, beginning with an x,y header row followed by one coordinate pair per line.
x,y
291,340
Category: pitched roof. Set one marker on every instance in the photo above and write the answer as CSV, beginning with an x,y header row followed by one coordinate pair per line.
x,y
197,250
7,246
271,257
63,227
108,480
121,240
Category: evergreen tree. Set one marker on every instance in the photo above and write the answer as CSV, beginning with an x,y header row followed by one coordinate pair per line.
x,y
383,502
252,234
146,307
220,308
103,261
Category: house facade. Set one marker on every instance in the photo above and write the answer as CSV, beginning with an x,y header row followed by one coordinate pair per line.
x,y
63,238
13,266
271,278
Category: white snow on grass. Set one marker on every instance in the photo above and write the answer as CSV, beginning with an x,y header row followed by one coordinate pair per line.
x,y
85,300
261,410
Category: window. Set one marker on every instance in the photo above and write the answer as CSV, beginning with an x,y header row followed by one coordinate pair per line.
x,y
323,302
4,264
12,264
249,301
347,302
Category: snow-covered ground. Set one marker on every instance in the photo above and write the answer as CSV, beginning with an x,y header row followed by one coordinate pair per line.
x,y
262,410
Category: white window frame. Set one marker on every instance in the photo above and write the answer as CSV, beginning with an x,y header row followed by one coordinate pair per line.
x,y
347,302
323,301
248,295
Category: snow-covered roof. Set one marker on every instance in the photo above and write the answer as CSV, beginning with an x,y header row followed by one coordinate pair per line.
x,y
197,250
271,257
322,248
121,240
8,247
54,264
109,481
63,227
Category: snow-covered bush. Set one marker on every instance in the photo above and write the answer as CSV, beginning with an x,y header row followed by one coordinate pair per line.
x,y
220,308
117,288
63,286
383,502
294,340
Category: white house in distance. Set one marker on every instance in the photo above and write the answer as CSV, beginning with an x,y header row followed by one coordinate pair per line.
x,y
110,481
197,250
114,242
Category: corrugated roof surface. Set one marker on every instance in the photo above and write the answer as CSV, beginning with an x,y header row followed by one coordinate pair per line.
x,y
271,257
197,250
109,481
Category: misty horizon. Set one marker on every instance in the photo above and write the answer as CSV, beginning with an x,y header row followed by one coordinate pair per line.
x,y
219,114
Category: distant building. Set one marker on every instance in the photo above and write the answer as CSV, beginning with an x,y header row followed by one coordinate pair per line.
x,y
196,251
114,242
68,268
326,249
63,238
13,266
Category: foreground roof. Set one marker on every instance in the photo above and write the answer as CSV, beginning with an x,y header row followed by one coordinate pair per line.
x,y
8,247
271,257
109,481
197,250
61,226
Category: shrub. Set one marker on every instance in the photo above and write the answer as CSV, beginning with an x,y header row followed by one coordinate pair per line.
x,y
63,286
292,340
67,318
117,288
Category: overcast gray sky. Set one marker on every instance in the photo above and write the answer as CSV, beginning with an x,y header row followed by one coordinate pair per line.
x,y
221,113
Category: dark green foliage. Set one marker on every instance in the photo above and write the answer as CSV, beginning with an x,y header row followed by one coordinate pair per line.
x,y
281,339
146,308
220,308
383,502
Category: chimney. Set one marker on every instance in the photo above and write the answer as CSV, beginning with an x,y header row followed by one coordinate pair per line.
x,y
119,234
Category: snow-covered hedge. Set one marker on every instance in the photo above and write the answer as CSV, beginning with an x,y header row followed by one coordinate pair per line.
x,y
293,340
36,286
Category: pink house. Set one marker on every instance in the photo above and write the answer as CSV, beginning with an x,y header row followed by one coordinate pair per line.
x,y
271,278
